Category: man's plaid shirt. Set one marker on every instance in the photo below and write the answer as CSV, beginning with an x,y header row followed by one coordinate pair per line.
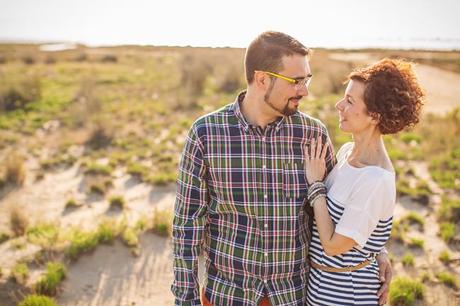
x,y
241,196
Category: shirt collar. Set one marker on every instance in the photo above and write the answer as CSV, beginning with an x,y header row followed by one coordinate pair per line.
x,y
277,124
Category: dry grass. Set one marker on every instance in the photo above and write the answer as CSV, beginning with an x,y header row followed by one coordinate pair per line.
x,y
18,221
15,170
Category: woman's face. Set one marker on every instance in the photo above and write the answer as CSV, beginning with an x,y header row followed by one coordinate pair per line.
x,y
353,115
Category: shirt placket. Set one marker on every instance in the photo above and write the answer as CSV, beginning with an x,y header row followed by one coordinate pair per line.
x,y
267,197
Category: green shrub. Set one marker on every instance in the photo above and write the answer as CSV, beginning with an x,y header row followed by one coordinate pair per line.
x,y
130,238
48,283
117,202
20,273
107,231
72,203
450,210
444,257
408,260
162,222
404,291
447,279
18,94
414,218
98,169
37,300
416,243
4,237
447,231
44,234
81,242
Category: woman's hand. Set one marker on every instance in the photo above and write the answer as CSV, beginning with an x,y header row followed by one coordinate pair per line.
x,y
315,164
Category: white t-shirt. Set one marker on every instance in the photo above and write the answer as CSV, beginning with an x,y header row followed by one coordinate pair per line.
x,y
368,195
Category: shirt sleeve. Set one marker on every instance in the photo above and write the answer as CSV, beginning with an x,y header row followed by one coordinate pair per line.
x,y
373,200
190,213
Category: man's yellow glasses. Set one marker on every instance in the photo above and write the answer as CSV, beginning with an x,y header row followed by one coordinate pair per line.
x,y
298,83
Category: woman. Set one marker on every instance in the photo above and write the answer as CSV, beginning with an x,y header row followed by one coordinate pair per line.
x,y
353,221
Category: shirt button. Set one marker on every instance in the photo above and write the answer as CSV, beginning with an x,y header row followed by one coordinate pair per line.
x,y
265,196
265,281
265,225
264,166
263,138
266,254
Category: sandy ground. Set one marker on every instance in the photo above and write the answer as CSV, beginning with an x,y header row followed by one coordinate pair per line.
x,y
111,275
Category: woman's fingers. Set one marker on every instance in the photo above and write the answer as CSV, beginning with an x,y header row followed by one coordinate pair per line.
x,y
319,147
323,154
312,148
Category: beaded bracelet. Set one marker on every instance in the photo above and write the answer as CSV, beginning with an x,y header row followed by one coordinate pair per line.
x,y
316,191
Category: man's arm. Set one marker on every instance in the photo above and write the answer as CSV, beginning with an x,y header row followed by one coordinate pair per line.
x,y
189,221
386,274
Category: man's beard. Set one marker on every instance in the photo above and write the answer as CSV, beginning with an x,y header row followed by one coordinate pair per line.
x,y
286,111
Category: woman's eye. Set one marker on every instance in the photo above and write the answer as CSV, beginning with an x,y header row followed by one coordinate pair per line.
x,y
349,101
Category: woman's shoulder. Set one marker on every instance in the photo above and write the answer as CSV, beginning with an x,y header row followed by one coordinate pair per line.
x,y
344,149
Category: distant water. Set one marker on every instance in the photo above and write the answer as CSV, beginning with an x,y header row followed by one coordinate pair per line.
x,y
355,43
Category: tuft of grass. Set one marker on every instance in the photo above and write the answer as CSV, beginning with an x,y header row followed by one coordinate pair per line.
x,y
98,169
15,170
129,237
162,222
37,300
414,218
18,221
425,277
4,237
416,243
117,202
18,94
447,279
72,203
20,273
141,224
399,230
107,231
44,234
48,283
447,231
444,257
408,260
450,210
405,291
138,170
81,242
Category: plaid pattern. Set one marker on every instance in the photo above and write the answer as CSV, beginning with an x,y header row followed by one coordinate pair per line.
x,y
241,196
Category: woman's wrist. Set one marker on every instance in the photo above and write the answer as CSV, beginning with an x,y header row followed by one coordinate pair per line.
x,y
315,191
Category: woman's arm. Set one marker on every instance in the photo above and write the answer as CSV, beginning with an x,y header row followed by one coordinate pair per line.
x,y
332,242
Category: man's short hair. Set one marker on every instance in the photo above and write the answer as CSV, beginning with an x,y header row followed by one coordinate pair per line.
x,y
266,51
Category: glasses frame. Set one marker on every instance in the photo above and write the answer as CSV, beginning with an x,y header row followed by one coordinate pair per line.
x,y
296,82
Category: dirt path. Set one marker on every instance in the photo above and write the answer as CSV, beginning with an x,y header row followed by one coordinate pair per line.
x,y
113,276
442,87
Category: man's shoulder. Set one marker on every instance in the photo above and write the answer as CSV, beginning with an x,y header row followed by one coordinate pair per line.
x,y
218,116
305,121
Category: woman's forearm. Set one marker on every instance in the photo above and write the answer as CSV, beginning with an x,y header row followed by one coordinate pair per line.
x,y
333,243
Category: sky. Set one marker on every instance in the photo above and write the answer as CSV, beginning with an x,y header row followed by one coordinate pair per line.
x,y
431,24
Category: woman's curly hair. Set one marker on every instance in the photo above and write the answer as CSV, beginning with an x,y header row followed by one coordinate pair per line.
x,y
392,94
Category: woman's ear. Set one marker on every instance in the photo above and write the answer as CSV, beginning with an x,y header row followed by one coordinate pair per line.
x,y
375,118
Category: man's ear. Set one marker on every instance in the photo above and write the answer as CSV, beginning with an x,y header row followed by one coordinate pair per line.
x,y
261,79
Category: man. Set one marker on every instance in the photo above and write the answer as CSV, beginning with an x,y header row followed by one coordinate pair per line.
x,y
241,188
